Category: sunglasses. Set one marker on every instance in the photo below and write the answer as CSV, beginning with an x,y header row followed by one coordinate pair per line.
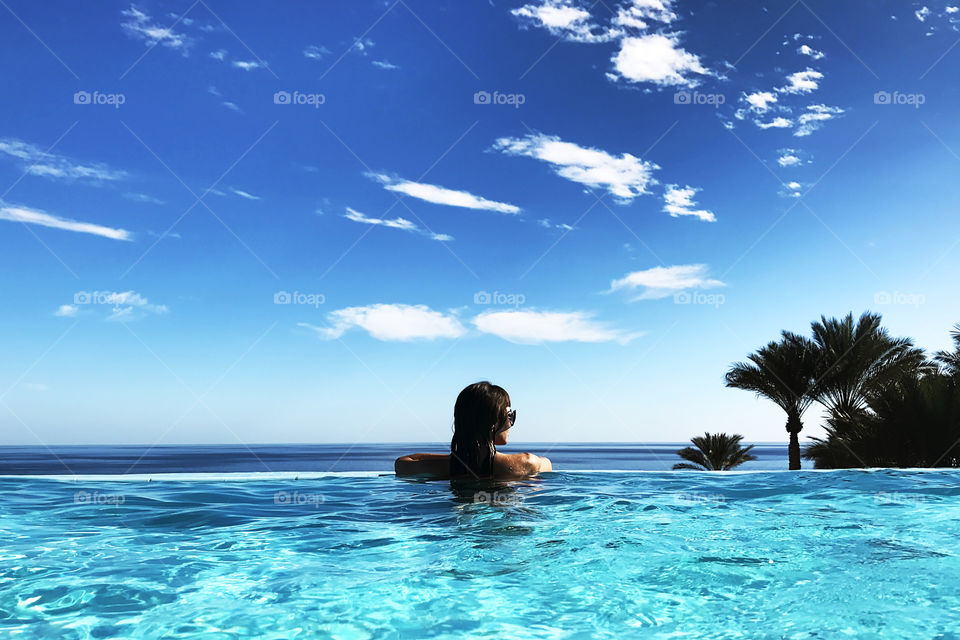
x,y
511,415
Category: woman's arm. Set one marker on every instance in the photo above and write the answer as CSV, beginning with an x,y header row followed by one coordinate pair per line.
x,y
434,464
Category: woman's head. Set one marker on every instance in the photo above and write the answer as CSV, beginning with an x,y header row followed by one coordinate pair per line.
x,y
481,420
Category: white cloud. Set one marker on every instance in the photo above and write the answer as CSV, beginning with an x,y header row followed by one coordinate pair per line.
x,y
49,165
922,13
32,216
802,81
776,123
625,177
656,58
441,195
122,305
564,19
760,101
142,197
534,327
247,65
662,282
315,52
244,194
361,45
547,223
233,107
814,118
788,158
220,54
952,9
636,14
384,64
141,26
679,202
395,223
806,50
391,322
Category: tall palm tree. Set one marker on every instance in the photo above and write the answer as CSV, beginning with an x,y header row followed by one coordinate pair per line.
x,y
950,360
718,452
784,372
856,359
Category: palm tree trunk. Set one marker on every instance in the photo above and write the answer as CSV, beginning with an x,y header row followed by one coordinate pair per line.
x,y
793,428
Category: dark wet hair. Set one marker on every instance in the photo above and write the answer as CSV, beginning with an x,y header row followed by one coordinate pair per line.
x,y
478,416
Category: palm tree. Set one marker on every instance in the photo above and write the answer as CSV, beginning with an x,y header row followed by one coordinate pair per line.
x,y
950,360
784,372
858,359
718,452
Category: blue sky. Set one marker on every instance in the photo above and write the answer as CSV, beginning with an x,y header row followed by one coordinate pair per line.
x,y
318,223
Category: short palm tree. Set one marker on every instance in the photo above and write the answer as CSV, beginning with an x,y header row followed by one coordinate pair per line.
x,y
950,360
718,452
785,373
857,359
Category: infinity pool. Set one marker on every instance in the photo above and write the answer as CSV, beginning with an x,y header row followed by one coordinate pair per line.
x,y
860,554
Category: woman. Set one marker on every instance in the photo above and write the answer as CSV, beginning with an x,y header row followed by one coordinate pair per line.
x,y
482,418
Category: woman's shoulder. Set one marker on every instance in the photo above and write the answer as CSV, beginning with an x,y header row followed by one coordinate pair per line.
x,y
521,464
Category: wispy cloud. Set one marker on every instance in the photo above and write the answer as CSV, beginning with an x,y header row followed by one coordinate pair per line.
x,y
384,64
563,19
807,50
247,65
33,216
624,176
804,81
534,327
143,197
442,195
36,162
233,107
244,194
141,26
814,118
220,54
119,305
789,158
394,223
391,322
679,202
662,282
315,52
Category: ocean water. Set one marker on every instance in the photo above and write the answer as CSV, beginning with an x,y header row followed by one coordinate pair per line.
x,y
838,554
100,459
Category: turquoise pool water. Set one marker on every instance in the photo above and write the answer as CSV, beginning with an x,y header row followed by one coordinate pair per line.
x,y
859,554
